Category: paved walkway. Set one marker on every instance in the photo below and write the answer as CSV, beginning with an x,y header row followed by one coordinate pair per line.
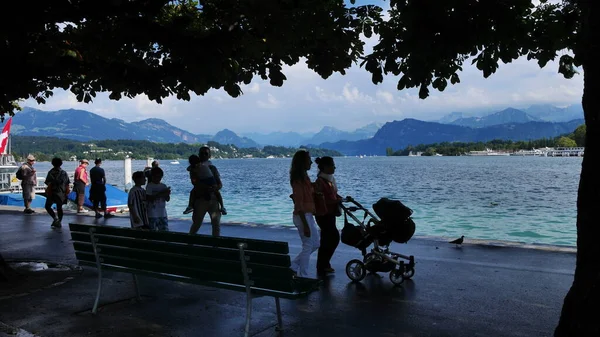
x,y
476,290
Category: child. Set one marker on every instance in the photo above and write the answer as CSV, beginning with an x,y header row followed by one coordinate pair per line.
x,y
136,201
157,194
202,174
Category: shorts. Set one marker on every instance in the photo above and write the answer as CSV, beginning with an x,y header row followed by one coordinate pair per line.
x,y
79,187
159,224
28,192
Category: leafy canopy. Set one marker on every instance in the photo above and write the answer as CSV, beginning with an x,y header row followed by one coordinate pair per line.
x,y
162,48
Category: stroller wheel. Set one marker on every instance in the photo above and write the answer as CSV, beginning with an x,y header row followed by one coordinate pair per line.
x,y
396,277
408,273
356,271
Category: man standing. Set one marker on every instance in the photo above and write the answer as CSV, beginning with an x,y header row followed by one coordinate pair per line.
x,y
80,181
28,183
98,189
210,206
147,171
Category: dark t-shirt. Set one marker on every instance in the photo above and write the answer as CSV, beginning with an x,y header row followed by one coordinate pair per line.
x,y
96,175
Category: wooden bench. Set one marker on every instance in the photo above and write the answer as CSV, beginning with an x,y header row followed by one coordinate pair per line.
x,y
256,267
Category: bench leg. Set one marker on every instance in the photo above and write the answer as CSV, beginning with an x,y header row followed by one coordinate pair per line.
x,y
137,288
248,314
95,308
279,327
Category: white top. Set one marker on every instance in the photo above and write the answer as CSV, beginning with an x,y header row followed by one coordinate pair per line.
x,y
157,208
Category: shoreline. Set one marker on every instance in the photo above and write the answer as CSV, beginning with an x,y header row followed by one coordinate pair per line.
x,y
441,239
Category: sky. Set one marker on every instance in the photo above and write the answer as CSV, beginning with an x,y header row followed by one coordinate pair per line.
x,y
306,102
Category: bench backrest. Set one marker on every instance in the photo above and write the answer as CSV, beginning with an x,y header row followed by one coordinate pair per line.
x,y
190,258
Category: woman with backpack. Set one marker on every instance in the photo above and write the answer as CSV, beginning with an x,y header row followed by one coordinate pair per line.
x,y
57,182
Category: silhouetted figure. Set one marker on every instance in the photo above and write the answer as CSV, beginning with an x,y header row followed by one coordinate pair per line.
x,y
458,241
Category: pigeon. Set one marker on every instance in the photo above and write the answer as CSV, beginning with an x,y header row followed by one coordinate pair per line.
x,y
458,241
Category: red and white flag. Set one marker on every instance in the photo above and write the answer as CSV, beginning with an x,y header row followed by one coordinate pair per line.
x,y
4,136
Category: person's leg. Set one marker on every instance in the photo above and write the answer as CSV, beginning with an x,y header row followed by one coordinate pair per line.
x,y
163,224
214,212
95,205
102,203
301,262
48,207
220,200
200,209
330,238
190,206
59,210
152,223
27,197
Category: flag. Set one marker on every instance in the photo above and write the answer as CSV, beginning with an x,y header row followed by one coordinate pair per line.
x,y
4,136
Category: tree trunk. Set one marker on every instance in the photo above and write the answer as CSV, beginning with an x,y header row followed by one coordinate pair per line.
x,y
581,310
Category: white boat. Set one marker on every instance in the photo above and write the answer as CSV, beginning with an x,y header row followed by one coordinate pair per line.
x,y
174,162
487,152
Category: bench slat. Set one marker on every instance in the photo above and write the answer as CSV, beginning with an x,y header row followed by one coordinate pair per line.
x,y
200,274
203,240
199,263
278,260
305,287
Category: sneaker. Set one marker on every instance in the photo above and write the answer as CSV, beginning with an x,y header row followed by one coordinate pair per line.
x,y
56,224
98,215
188,210
82,211
28,211
108,215
223,211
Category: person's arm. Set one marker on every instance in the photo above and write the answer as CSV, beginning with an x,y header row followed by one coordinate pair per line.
x,y
217,176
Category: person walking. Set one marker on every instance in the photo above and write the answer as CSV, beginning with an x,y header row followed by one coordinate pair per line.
x,y
57,182
98,189
327,205
304,208
28,182
80,181
208,205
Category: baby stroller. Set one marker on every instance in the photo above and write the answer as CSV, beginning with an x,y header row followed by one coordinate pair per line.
x,y
395,225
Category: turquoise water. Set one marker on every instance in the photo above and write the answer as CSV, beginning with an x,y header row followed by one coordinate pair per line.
x,y
523,199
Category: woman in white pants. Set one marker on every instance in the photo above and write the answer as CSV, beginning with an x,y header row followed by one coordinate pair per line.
x,y
304,208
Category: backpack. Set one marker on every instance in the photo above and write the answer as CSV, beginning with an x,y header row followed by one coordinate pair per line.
x,y
19,173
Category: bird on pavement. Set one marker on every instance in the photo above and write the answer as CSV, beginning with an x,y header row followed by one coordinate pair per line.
x,y
458,241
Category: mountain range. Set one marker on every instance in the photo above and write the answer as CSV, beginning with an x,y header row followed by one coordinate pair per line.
x,y
399,134
372,139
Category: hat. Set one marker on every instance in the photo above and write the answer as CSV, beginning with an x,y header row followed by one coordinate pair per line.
x,y
30,157
84,161
98,160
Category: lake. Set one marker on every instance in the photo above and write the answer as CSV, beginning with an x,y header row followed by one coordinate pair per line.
x,y
521,199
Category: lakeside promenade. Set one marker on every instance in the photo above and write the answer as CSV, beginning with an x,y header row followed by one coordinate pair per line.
x,y
474,290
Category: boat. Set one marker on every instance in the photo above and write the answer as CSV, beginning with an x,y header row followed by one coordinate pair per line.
x,y
174,162
487,152
11,193
8,164
116,199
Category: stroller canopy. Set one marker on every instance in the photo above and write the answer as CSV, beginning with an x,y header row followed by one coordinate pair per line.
x,y
395,218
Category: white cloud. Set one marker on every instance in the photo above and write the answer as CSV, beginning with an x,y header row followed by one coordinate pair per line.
x,y
386,96
270,103
306,102
252,88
